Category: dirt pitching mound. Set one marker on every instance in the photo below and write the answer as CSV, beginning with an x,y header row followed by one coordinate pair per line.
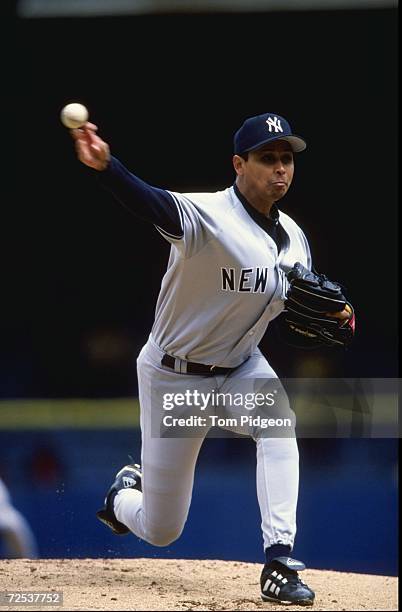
x,y
159,584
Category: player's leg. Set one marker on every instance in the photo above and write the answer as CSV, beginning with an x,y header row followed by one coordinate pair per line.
x,y
158,513
277,457
277,487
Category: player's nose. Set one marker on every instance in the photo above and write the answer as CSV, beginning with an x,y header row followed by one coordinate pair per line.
x,y
280,168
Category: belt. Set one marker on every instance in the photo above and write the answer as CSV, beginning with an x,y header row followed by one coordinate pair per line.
x,y
194,368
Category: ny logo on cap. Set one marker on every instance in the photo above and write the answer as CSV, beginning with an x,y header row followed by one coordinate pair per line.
x,y
274,122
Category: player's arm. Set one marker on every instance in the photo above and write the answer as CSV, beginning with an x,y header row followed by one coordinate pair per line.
x,y
145,201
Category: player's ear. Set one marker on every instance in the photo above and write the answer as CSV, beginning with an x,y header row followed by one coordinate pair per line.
x,y
238,164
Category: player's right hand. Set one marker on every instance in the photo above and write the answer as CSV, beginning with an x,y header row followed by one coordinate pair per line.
x,y
91,150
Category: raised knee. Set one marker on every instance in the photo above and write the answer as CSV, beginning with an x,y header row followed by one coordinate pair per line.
x,y
163,538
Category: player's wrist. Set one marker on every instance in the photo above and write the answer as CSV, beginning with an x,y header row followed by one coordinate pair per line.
x,y
103,164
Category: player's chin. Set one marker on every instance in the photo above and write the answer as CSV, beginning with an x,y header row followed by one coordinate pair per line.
x,y
279,189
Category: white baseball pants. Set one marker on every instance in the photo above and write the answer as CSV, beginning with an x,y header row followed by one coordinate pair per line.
x,y
158,514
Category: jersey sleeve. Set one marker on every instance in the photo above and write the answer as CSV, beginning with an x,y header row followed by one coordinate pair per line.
x,y
198,225
143,200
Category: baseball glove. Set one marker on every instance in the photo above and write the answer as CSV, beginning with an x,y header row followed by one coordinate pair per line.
x,y
316,311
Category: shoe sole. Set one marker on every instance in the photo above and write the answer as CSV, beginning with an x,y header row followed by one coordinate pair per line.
x,y
103,517
299,602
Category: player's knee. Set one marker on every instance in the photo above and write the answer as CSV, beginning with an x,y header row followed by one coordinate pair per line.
x,y
164,537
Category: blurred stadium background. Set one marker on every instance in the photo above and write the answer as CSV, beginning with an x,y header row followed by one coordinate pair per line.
x,y
168,83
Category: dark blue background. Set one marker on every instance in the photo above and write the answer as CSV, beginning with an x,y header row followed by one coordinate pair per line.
x,y
347,513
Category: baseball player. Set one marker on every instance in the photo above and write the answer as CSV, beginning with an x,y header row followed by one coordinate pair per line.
x,y
14,530
225,282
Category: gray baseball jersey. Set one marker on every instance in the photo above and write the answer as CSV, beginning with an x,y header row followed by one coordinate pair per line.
x,y
224,281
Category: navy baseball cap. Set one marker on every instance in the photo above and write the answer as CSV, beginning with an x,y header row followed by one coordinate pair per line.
x,y
259,130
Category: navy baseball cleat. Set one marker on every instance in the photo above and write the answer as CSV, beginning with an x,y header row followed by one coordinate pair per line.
x,y
281,583
129,477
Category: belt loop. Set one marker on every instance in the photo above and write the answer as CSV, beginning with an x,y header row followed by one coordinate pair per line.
x,y
180,366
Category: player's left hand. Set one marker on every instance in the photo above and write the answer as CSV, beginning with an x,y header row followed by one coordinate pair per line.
x,y
346,313
316,311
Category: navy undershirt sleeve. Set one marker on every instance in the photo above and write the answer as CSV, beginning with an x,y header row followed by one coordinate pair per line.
x,y
144,201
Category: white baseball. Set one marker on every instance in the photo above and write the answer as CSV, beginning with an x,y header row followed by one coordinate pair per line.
x,y
74,115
